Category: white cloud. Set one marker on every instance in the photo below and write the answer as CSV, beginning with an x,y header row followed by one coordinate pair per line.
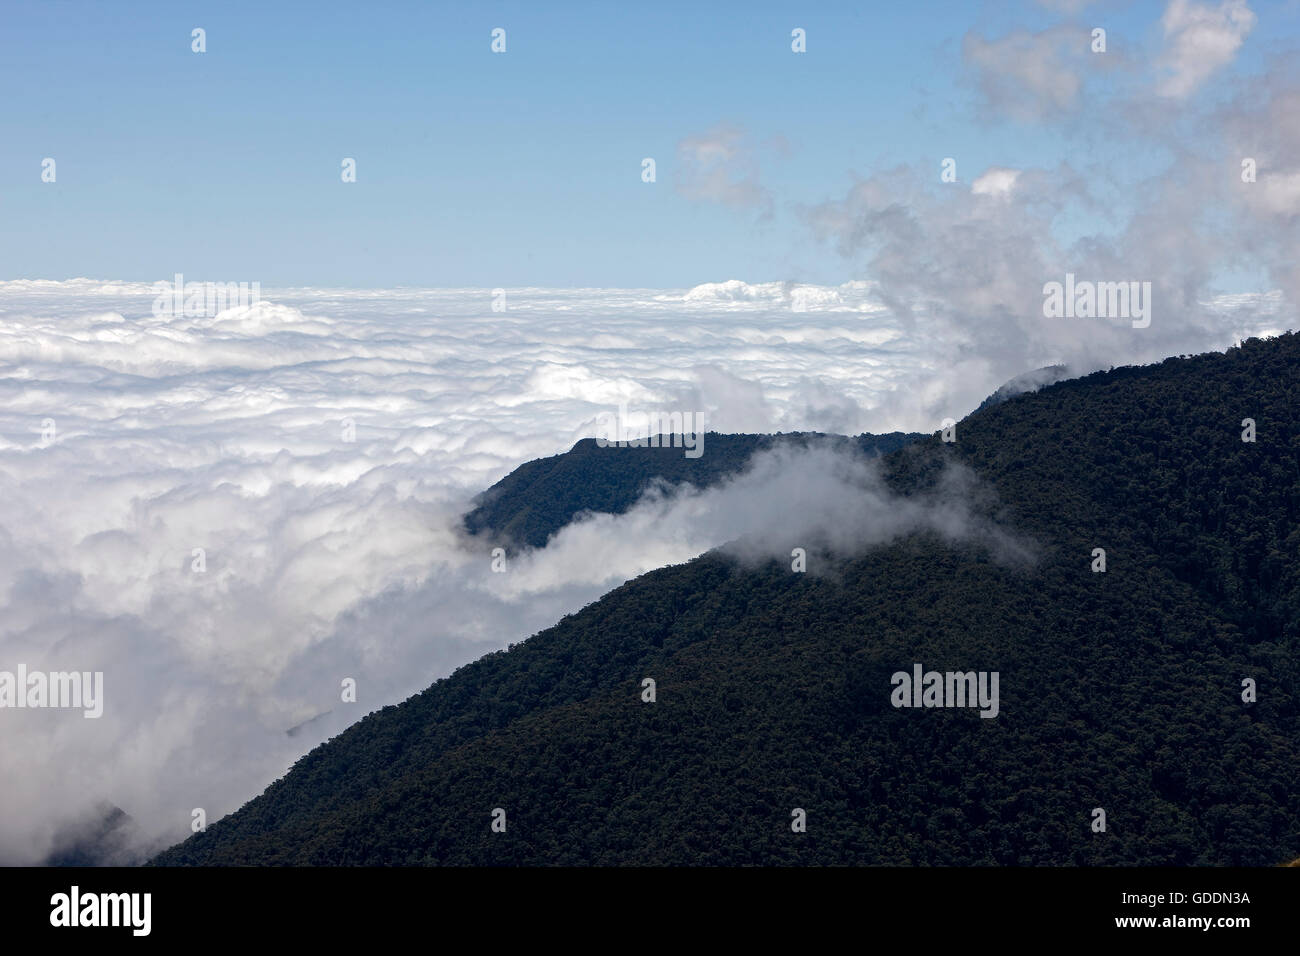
x,y
721,166
965,275
817,498
1278,193
1064,6
1027,75
1200,39
995,181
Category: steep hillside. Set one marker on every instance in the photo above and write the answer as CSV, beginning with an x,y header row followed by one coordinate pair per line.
x,y
1119,691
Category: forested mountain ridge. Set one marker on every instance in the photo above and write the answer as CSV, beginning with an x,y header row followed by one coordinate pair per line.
x,y
540,497
1121,691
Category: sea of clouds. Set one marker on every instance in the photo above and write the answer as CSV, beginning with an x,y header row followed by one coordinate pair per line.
x,y
129,439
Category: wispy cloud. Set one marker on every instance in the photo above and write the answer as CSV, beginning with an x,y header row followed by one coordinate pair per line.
x,y
1028,75
1200,39
721,165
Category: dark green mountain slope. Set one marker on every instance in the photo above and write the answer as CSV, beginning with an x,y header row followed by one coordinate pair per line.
x,y
540,497
1118,690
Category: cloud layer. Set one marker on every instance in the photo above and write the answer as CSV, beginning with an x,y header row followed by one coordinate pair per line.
x,y
228,515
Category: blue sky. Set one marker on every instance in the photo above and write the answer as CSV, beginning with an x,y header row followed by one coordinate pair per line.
x,y
523,168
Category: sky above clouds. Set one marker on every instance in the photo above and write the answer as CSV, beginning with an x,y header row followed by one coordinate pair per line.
x,y
798,264
524,168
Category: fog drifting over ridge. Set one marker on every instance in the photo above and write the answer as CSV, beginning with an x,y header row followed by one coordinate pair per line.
x,y
327,558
